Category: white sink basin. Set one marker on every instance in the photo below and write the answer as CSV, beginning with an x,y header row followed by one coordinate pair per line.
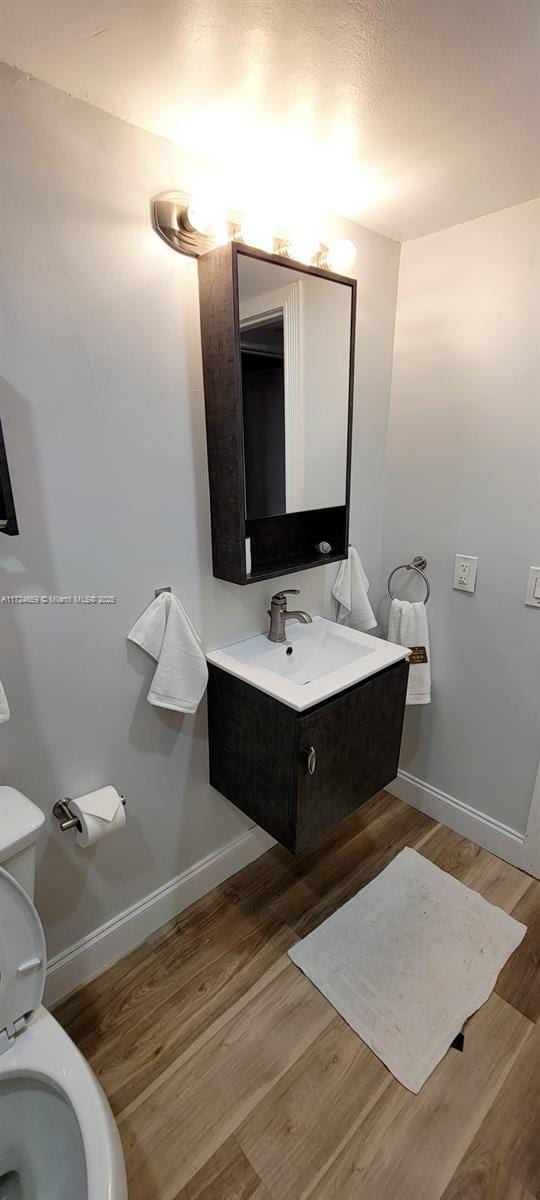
x,y
315,662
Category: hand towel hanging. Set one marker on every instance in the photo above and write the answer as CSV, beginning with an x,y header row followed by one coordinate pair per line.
x,y
350,589
166,633
4,706
408,626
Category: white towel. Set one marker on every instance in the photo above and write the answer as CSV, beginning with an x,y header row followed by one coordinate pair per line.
x,y
408,626
166,633
4,706
350,589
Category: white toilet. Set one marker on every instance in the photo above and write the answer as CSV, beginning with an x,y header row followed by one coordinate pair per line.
x,y
58,1137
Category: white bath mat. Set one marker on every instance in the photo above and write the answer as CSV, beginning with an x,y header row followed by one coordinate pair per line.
x,y
407,960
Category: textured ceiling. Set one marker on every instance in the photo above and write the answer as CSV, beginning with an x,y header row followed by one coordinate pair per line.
x,y
406,115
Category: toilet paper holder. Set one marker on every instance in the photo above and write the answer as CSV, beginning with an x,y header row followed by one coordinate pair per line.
x,y
68,820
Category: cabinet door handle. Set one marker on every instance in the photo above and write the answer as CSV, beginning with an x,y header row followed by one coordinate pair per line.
x,y
311,759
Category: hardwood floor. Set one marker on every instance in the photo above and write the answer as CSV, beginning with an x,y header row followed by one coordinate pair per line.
x,y
232,1078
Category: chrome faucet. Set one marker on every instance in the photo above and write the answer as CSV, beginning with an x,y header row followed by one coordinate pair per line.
x,y
279,614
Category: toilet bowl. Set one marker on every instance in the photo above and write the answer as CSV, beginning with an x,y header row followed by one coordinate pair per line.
x,y
58,1137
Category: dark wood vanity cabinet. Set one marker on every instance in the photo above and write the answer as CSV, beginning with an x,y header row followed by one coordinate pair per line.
x,y
298,773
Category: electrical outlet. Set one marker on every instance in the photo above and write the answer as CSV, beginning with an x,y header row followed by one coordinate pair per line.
x,y
532,595
465,572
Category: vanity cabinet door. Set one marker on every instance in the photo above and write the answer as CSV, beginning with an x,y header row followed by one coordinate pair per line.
x,y
348,749
252,740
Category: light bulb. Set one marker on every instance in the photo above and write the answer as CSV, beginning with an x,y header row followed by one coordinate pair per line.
x,y
208,217
304,245
257,230
341,256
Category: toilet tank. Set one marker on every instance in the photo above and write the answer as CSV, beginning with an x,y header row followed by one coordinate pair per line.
x,y
20,825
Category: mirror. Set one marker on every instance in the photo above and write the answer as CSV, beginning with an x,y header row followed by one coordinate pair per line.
x,y
295,348
278,353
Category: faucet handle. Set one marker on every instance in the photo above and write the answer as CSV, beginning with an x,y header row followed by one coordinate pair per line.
x,y
286,592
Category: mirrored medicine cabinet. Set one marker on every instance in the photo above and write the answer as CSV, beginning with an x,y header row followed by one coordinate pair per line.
x,y
278,360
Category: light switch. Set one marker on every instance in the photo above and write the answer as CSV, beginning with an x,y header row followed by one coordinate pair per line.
x,y
532,595
465,572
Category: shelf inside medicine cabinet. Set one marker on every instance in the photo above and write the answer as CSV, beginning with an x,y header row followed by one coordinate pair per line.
x,y
288,543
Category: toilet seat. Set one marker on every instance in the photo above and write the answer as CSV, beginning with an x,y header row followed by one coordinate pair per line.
x,y
46,1054
42,1072
23,960
58,1136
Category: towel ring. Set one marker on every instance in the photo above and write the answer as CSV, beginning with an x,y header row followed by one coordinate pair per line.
x,y
418,564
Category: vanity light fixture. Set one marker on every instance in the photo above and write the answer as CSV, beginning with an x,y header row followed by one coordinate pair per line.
x,y
341,256
208,218
257,231
195,224
305,246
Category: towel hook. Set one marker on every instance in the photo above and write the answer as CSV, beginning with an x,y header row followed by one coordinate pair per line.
x,y
418,564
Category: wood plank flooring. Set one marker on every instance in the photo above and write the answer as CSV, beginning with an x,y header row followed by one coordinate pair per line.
x,y
232,1078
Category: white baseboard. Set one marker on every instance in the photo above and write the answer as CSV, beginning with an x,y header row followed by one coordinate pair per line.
x,y
122,933
486,831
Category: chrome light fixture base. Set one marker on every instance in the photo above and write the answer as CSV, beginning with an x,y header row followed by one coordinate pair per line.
x,y
170,221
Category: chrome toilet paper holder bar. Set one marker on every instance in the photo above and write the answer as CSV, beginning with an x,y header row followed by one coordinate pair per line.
x,y
68,820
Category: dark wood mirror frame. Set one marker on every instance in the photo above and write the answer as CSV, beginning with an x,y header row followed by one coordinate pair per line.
x,y
280,544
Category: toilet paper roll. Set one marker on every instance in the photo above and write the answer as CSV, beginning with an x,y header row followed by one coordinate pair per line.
x,y
100,813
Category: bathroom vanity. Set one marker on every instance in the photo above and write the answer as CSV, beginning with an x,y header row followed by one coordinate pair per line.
x,y
303,732
303,726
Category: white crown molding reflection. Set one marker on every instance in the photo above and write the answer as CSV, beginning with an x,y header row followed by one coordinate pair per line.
x,y
294,397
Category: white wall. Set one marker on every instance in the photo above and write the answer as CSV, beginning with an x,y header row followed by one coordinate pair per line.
x,y
102,404
463,476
